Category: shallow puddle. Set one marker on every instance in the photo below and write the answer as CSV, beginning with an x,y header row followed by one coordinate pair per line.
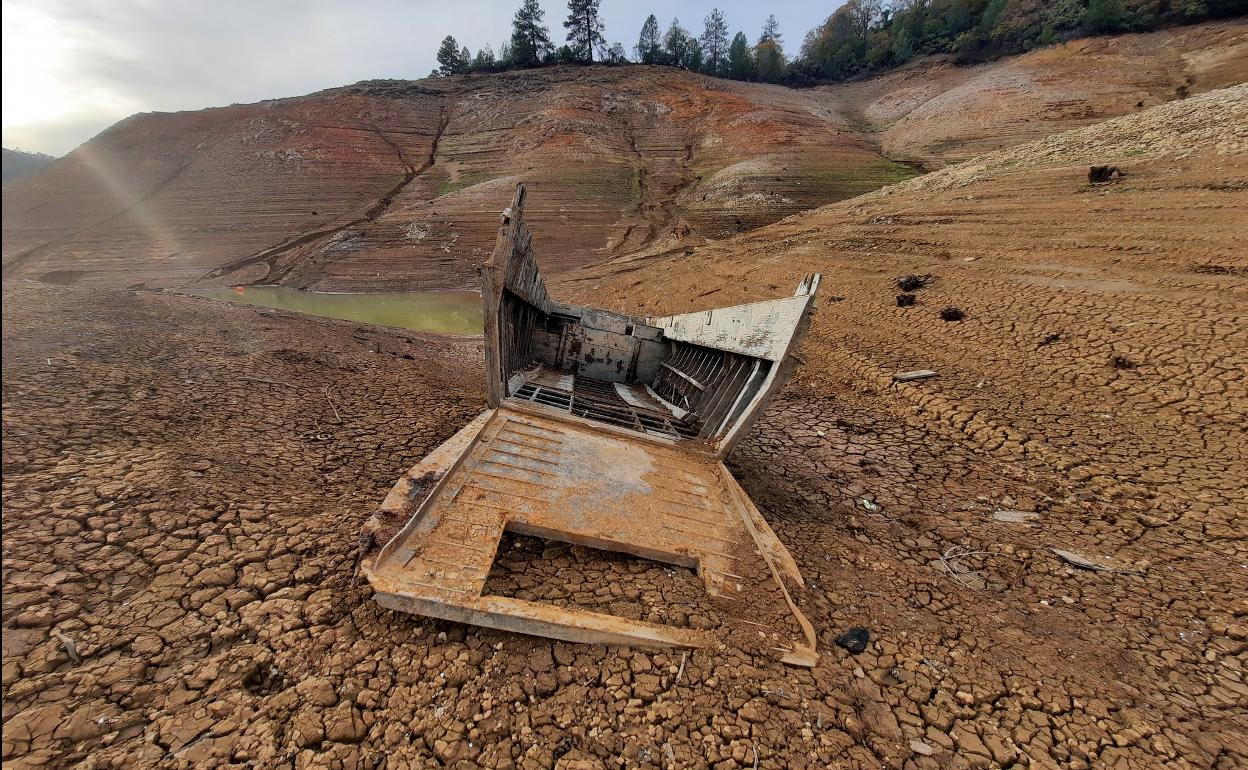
x,y
444,312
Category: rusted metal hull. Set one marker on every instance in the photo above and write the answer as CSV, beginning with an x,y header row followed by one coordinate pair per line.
x,y
582,445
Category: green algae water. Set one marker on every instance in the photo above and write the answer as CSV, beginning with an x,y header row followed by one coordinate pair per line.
x,y
442,312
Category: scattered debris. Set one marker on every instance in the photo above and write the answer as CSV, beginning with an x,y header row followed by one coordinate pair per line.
x,y
909,283
919,747
1081,561
1016,517
1103,174
952,314
337,416
953,562
70,648
905,300
917,374
854,640
1211,269
344,240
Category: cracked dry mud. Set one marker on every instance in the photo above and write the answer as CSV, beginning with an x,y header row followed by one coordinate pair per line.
x,y
182,507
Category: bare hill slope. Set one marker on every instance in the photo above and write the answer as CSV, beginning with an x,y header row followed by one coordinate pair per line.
x,y
397,184
19,164
934,113
1103,323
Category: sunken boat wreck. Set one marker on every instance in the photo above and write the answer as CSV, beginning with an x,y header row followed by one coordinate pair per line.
x,y
607,431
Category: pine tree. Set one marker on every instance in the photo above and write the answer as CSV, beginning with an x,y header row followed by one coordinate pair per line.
x,y
585,28
649,50
771,31
484,60
715,42
693,57
530,39
740,66
769,53
676,44
616,54
451,59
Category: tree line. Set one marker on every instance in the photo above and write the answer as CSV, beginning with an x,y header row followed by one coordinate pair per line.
x,y
711,52
865,36
860,37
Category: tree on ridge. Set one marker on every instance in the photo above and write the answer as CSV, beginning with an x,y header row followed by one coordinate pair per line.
x,y
715,42
649,49
530,38
585,28
451,59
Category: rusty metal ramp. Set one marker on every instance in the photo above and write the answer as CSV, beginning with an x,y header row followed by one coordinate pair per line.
x,y
532,475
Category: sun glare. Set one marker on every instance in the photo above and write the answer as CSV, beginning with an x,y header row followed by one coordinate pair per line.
x,y
34,55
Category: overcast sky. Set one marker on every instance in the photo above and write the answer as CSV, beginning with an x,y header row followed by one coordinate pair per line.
x,y
74,67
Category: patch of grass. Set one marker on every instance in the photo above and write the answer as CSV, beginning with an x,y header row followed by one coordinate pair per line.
x,y
465,180
618,184
847,184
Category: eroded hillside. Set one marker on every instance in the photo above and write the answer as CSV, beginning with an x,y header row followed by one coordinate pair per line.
x,y
389,184
397,184
1103,322
934,113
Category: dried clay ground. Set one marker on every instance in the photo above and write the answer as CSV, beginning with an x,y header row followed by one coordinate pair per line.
x,y
184,484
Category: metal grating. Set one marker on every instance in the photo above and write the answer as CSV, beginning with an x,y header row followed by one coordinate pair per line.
x,y
599,401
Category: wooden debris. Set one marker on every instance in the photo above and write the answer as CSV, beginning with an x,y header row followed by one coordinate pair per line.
x,y
70,648
1083,562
